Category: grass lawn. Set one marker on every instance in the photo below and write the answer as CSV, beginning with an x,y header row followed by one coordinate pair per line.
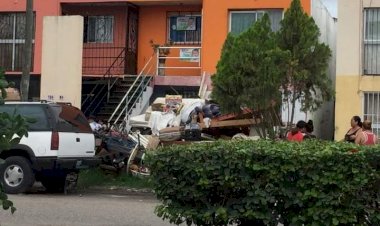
x,y
99,177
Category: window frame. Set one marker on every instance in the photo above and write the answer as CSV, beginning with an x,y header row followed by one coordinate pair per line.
x,y
195,14
240,12
370,115
369,42
70,119
365,25
256,11
22,110
14,41
86,31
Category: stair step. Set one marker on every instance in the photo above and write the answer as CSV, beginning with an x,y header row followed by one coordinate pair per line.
x,y
112,108
118,92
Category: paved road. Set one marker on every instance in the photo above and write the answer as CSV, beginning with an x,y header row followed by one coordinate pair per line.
x,y
75,209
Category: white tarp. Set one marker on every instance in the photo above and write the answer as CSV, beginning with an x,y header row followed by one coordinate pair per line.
x,y
159,120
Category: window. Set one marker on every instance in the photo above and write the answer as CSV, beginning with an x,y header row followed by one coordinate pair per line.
x,y
12,40
35,112
372,110
70,119
98,29
184,28
371,41
241,20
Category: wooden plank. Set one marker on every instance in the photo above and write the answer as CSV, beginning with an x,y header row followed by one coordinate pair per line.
x,y
230,123
244,111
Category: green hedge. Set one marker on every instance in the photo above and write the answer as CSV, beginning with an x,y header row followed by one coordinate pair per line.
x,y
267,182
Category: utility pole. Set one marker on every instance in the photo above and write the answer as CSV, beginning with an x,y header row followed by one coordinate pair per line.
x,y
27,63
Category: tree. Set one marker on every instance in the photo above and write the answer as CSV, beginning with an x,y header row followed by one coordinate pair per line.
x,y
248,74
10,125
27,63
306,79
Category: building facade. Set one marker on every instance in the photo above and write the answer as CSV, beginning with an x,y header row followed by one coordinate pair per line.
x,y
119,36
358,64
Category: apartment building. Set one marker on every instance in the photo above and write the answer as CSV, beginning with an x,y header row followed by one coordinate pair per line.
x,y
358,64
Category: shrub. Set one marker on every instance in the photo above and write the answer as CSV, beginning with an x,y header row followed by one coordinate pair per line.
x,y
267,182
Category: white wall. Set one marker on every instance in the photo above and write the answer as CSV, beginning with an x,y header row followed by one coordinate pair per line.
x,y
61,72
324,117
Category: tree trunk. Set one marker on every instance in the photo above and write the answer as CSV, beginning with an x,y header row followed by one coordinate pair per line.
x,y
27,61
257,127
293,108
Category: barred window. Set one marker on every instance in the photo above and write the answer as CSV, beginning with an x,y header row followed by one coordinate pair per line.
x,y
98,29
241,20
12,40
371,41
184,28
372,110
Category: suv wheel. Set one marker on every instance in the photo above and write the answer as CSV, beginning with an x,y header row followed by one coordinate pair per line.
x,y
16,175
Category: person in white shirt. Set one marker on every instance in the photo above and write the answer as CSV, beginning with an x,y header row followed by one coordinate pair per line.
x,y
93,124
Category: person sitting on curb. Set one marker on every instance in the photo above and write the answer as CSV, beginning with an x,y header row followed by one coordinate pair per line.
x,y
309,130
297,134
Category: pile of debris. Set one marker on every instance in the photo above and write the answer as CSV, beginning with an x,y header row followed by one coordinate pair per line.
x,y
167,121
177,120
122,153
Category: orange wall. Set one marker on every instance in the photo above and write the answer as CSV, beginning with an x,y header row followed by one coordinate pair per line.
x,y
215,24
108,51
42,8
153,26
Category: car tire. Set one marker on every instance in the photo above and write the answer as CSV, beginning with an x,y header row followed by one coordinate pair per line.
x,y
54,184
16,175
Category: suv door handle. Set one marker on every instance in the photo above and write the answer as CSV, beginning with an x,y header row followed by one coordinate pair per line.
x,y
78,139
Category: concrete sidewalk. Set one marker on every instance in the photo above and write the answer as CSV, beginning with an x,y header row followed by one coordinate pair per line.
x,y
116,190
107,190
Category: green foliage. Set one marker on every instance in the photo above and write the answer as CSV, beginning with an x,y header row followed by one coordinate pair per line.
x,y
248,73
306,78
10,125
258,63
97,177
312,183
3,84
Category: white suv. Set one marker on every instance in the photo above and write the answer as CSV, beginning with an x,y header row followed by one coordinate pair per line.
x,y
59,142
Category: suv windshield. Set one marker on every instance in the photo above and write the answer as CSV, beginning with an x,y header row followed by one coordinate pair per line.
x,y
70,119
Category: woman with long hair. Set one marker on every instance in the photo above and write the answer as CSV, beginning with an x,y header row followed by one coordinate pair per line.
x,y
356,126
296,134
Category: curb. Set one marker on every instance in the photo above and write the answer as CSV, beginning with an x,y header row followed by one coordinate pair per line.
x,y
115,190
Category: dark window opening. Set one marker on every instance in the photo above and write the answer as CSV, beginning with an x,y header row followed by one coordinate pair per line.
x,y
184,28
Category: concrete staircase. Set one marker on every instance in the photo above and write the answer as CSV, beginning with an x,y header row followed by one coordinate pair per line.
x,y
138,97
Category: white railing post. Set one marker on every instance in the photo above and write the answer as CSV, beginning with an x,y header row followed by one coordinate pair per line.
x,y
157,60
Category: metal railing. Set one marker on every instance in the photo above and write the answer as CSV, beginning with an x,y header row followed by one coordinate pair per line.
x,y
101,90
371,105
97,59
190,56
131,98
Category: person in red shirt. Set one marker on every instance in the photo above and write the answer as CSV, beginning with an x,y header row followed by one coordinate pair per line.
x,y
366,136
297,133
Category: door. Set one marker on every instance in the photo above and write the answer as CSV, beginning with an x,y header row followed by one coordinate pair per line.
x,y
131,53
